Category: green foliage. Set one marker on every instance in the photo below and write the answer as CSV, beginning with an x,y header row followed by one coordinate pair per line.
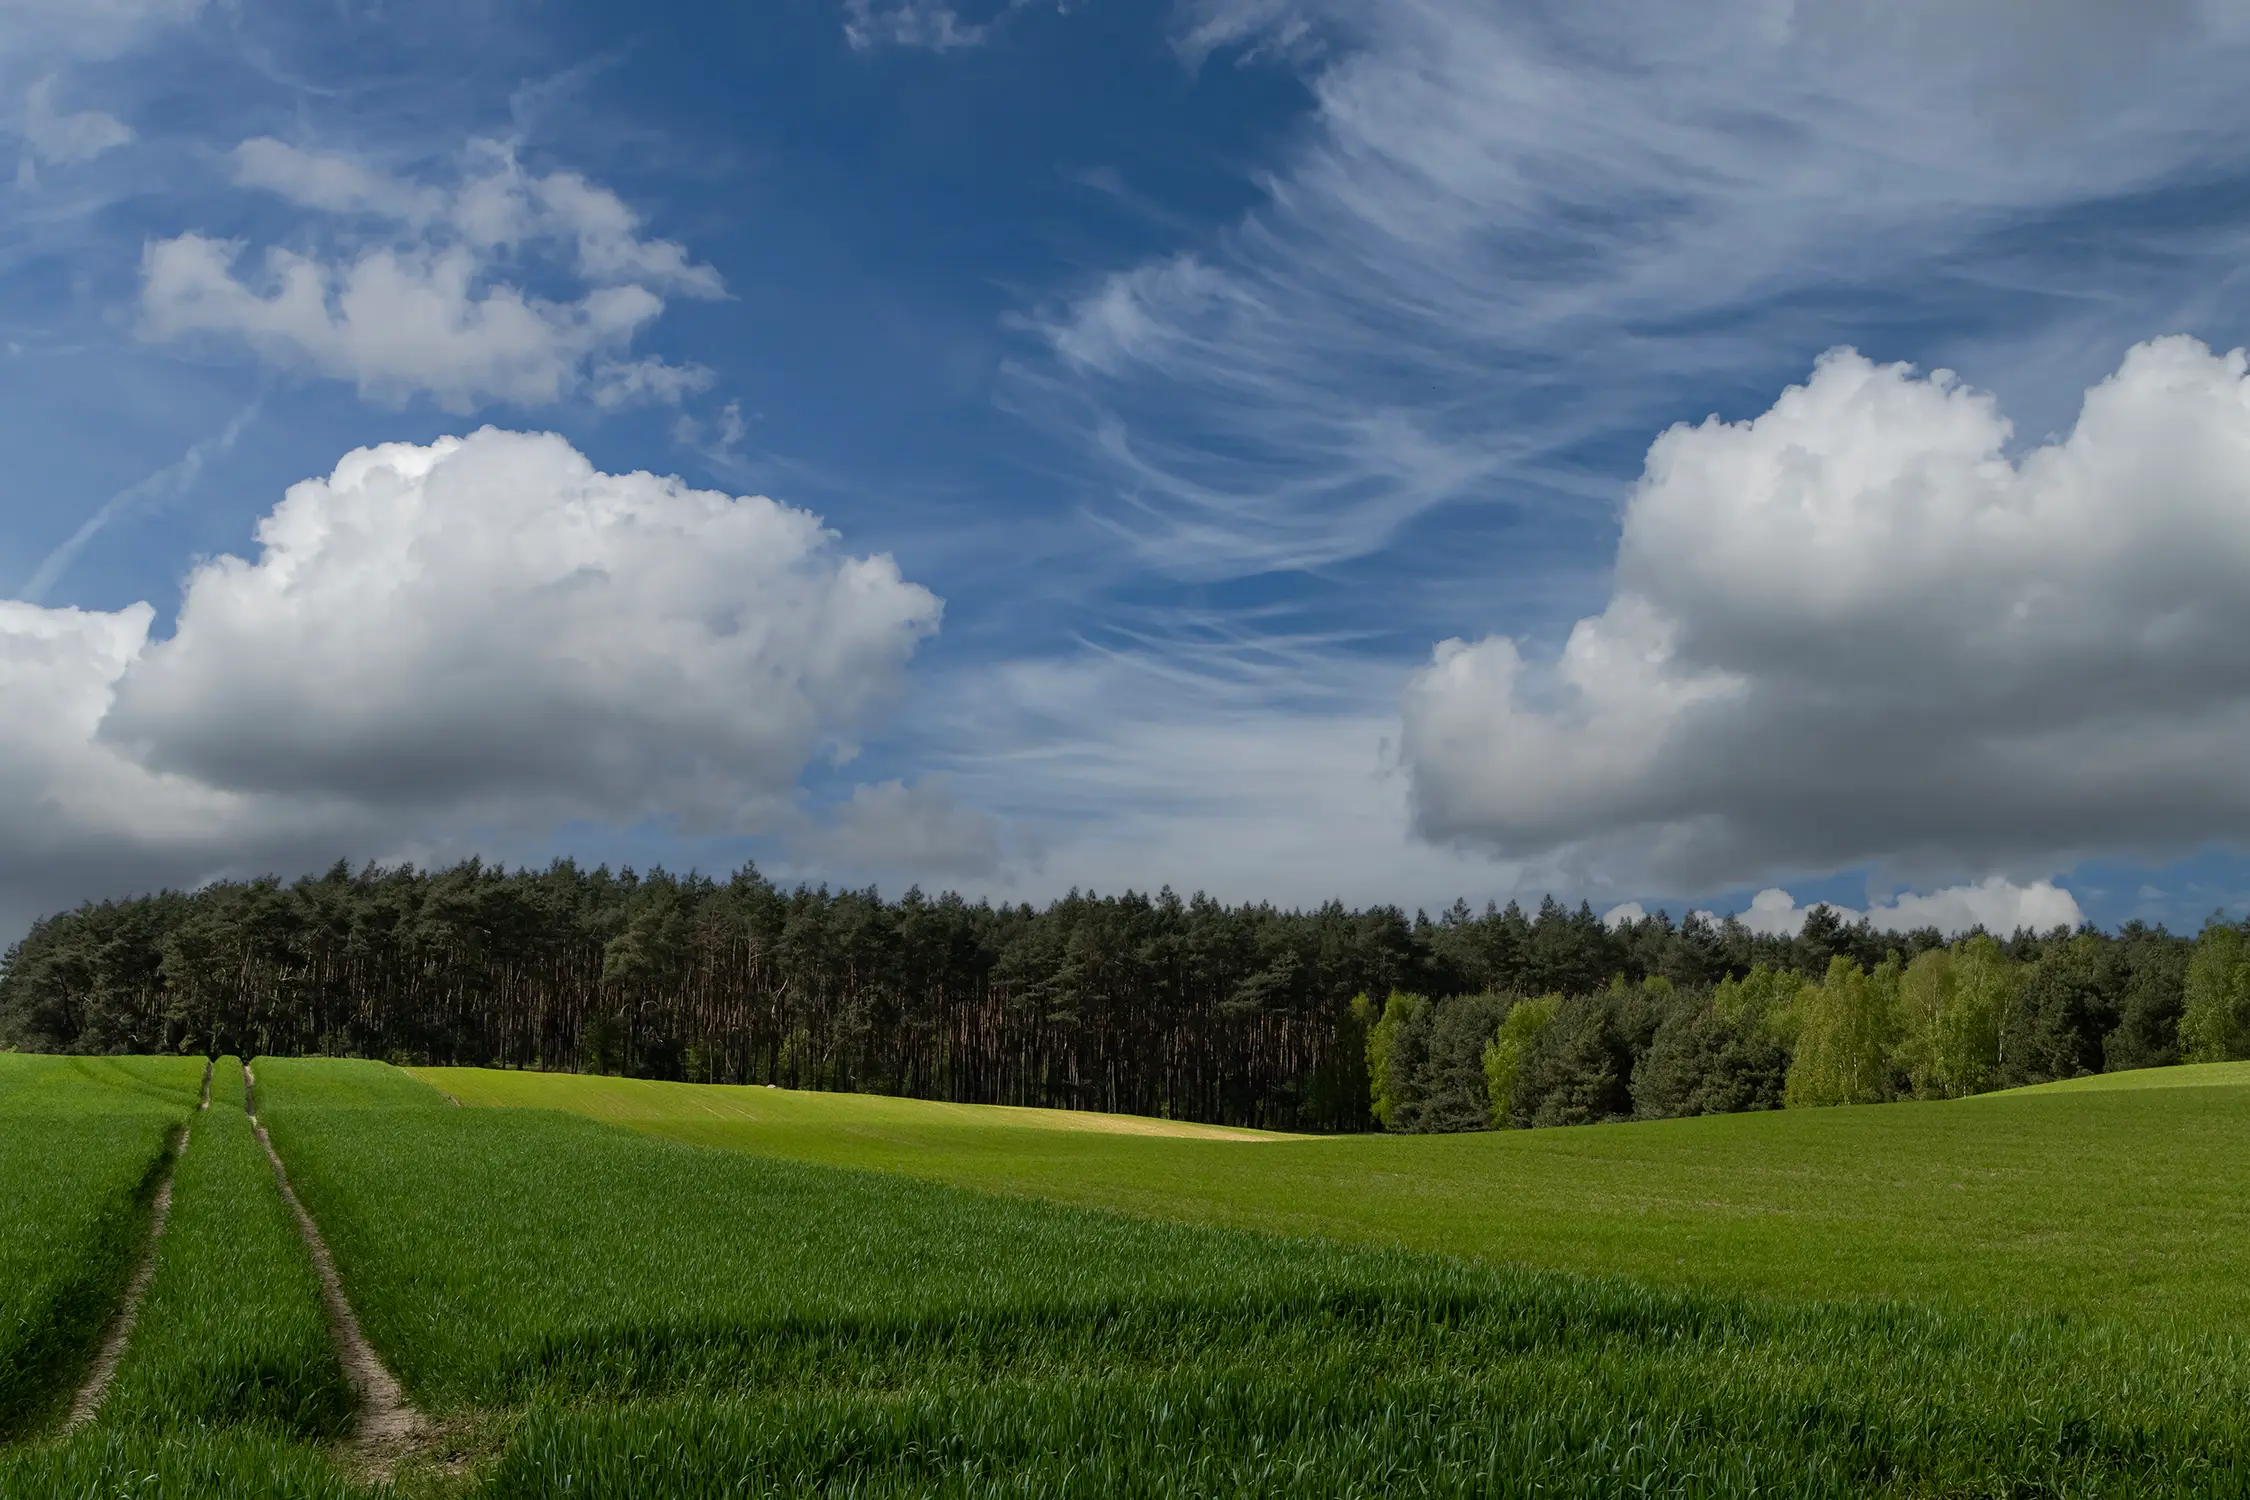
x,y
601,1044
1149,1004
1764,997
2215,1011
1846,1027
1398,1014
1136,1003
1579,1069
1709,1060
1426,1060
82,1147
233,1330
1434,1069
1503,1056
1953,1006
2067,1004
2147,1034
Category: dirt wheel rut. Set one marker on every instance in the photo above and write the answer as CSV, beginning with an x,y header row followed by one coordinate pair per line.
x,y
389,1426
96,1385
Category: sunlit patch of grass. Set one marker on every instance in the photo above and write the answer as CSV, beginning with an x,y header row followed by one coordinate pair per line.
x,y
2117,1202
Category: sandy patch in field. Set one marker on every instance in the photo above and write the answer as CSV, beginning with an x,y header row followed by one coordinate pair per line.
x,y
631,1100
1099,1124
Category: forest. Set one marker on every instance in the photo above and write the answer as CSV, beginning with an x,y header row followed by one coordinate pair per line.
x,y
1330,1019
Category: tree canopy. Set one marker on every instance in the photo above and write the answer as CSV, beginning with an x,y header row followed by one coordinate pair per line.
x,y
1153,1004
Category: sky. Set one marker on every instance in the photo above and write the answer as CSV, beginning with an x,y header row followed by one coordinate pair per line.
x,y
1682,455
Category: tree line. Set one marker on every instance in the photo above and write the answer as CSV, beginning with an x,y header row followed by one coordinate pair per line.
x,y
1148,1004
1952,1019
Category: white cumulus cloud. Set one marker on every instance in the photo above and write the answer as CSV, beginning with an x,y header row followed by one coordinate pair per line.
x,y
1624,912
435,643
1857,630
333,182
1996,904
426,309
492,621
79,817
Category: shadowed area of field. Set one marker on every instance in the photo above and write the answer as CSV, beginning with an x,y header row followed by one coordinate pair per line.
x,y
2131,1199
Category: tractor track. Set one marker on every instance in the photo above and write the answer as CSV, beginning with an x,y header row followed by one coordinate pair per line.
x,y
389,1427
88,1399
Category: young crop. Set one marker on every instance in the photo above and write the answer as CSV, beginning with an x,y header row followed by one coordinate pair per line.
x,y
503,1255
233,1330
630,1317
2041,1201
101,1463
1549,1428
769,1328
83,1144
98,1085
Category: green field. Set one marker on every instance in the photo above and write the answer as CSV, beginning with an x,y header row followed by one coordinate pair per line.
x,y
2130,1200
229,1384
82,1141
2022,1306
232,1332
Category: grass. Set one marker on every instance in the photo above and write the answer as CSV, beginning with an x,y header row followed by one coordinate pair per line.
x,y
2226,1075
233,1330
82,1142
103,1463
229,1380
37,1084
1532,1426
566,1260
2129,1201
629,1315
670,1321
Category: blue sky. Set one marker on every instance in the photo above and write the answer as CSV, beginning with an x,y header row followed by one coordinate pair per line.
x,y
1201,368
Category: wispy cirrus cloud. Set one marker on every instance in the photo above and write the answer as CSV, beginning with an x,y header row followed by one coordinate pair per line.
x,y
86,29
1510,238
923,25
1509,245
926,24
55,136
